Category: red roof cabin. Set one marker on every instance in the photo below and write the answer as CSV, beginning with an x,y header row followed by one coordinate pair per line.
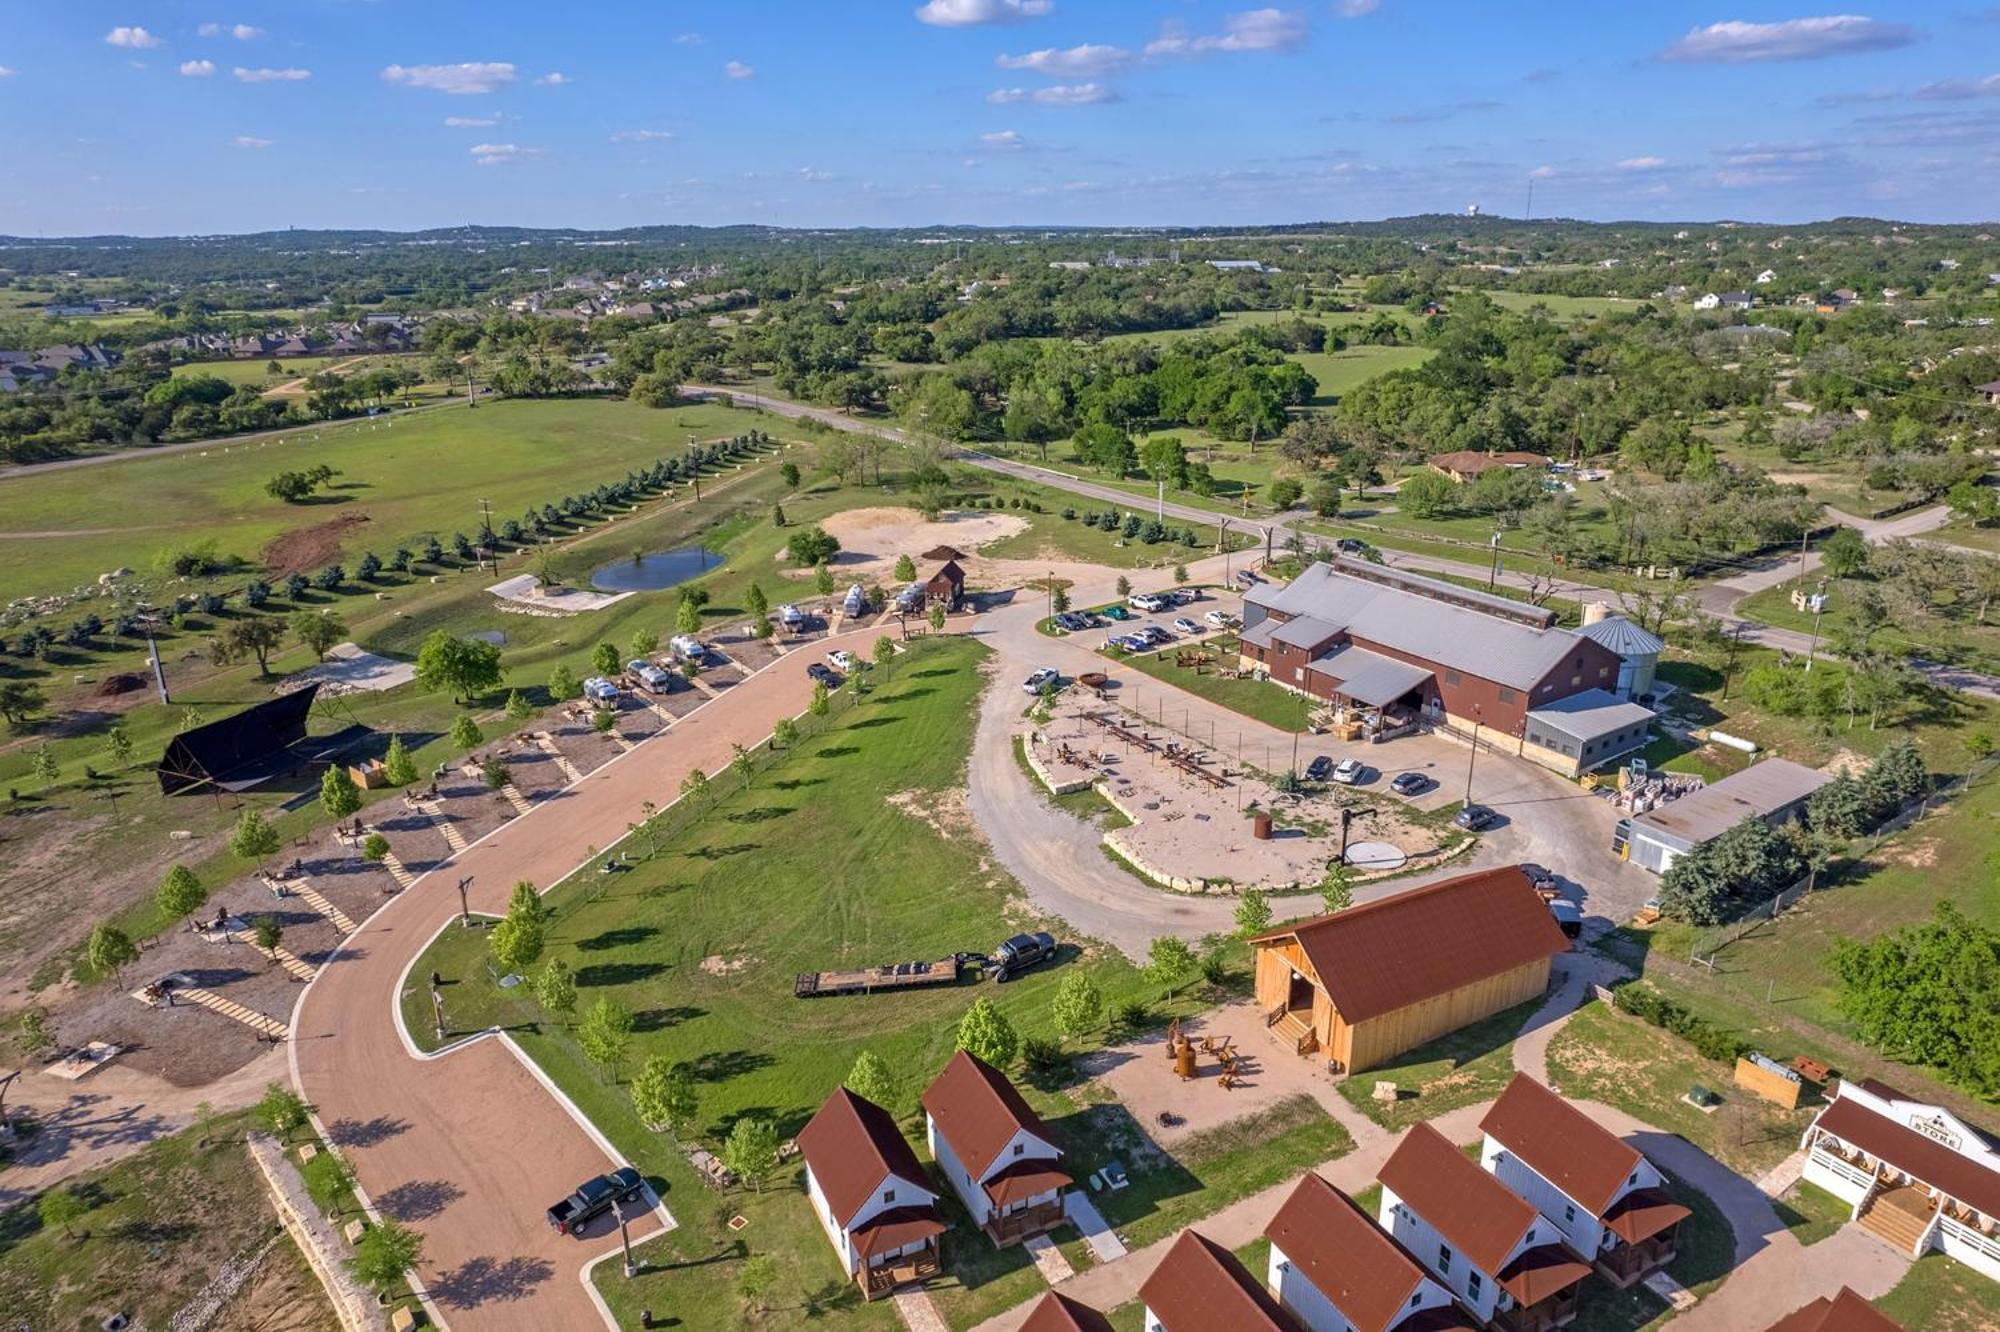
x,y
1335,1270
870,1194
996,1153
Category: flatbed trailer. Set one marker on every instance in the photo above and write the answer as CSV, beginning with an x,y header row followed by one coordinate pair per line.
x,y
872,980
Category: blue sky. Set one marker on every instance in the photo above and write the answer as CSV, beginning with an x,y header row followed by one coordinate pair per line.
x,y
170,116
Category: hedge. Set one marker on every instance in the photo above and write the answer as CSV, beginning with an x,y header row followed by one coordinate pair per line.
x,y
1649,1005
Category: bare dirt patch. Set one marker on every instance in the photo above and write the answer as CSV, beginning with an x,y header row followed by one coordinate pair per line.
x,y
312,547
871,539
948,814
715,964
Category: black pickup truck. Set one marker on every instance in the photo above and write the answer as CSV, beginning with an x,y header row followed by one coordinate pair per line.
x,y
593,1198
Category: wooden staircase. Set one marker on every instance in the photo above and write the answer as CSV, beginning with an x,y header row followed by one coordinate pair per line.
x,y
512,794
563,765
398,870
1898,1216
1296,1031
298,968
229,1008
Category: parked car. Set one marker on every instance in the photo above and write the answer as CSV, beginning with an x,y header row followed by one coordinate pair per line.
x,y
1022,951
1351,546
593,1198
1221,619
1569,916
1041,676
1147,601
1319,769
841,660
1473,818
1543,879
1156,633
1187,626
1186,596
1411,783
650,677
819,673
1348,771
1116,613
1132,643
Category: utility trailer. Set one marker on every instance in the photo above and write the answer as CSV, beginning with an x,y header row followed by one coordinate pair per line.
x,y
874,980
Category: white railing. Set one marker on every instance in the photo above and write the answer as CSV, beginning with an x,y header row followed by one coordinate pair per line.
x,y
1970,1237
1853,1174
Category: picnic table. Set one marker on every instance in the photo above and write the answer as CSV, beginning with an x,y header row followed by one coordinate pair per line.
x,y
712,1171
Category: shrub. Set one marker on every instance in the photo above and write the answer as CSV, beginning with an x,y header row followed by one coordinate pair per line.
x,y
1652,1007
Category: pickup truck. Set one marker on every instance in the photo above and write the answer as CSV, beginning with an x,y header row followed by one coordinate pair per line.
x,y
593,1198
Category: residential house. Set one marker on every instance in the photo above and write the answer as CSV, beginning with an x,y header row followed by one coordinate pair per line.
x,y
871,1197
1392,650
994,1151
1916,1174
1335,1270
1845,1312
1060,1313
1365,984
1708,300
1503,1259
1606,1198
1240,266
1201,1287
1735,300
1774,790
1466,464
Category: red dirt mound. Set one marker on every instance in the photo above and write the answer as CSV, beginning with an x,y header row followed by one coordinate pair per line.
x,y
307,548
122,683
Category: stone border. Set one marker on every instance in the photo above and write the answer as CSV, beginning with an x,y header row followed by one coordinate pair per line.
x,y
1025,739
356,1313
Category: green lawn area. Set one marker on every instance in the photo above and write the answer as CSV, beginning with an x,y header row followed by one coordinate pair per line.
x,y
1603,1055
1976,536
1563,307
1709,762
1049,534
1941,1294
1259,700
1462,1067
158,1224
1935,639
1810,1212
1339,372
398,482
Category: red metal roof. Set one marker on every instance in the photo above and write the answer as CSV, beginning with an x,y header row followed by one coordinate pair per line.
x,y
1642,1214
1060,1313
1347,1257
978,1111
1417,945
1845,1312
1474,1212
1024,1179
896,1227
1201,1287
850,1146
1560,1143
1538,1273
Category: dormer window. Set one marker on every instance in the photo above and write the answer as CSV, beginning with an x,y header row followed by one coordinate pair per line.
x,y
888,1195
1020,1147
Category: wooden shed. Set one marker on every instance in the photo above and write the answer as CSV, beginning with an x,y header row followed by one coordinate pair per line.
x,y
1362,986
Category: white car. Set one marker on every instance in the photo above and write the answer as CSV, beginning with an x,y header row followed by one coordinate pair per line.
x,y
1146,601
842,660
1042,676
1347,772
1187,626
1221,619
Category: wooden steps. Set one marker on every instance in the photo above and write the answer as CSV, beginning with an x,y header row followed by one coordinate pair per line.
x,y
306,893
296,966
513,796
453,838
624,743
1898,1216
398,871
229,1008
660,710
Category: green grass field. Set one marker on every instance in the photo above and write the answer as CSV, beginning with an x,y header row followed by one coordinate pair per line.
x,y
1259,700
1941,1294
1936,639
1462,1067
399,481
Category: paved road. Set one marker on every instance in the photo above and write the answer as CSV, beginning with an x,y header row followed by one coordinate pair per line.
x,y
469,1147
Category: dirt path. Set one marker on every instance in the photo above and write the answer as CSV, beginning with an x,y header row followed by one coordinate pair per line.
x,y
294,385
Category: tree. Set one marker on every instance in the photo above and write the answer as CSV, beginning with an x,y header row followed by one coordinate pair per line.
x,y
789,473
282,1110
1059,600
269,932
466,666
257,637
180,894
398,768
375,849
495,773
20,701
1253,912
937,618
1325,497
385,1254
809,546
758,605
604,721
328,1179
784,733
518,707
517,940
1427,495
604,659
605,1033
664,1095
1336,889
563,684
110,949
316,630
1844,553
555,989
1284,493
62,1208
884,653
777,515
759,1275
253,838
871,1080
34,1035
1077,1007
338,795
821,701
645,643
1124,586
465,732
119,741
42,762
694,787
751,1149
985,1033
687,617
1838,809
741,764
822,579
906,569
1169,963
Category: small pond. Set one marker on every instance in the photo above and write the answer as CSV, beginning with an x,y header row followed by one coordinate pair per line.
x,y
650,573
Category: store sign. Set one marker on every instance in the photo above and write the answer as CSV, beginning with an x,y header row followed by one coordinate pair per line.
x,y
1937,1130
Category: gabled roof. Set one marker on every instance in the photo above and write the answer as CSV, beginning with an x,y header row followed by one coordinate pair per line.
x,y
1060,1313
1474,1212
1560,1143
850,1147
978,1111
1347,1257
1024,1179
1201,1287
1934,1163
1845,1312
1623,637
1642,1214
1397,951
897,1227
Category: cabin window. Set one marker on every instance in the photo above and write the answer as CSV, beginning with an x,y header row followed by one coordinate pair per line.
x,y
1444,1258
1634,1179
1576,679
1472,1284
1020,1147
888,1195
1569,1211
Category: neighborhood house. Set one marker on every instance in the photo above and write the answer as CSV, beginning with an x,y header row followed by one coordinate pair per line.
x,y
1201,1287
1335,1270
1368,983
994,1151
870,1194
1845,1312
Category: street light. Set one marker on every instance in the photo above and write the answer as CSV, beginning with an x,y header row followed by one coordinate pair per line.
x,y
1494,575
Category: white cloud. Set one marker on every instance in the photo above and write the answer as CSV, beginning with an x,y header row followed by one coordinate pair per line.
x,y
270,75
466,79
137,39
1959,90
470,122
1356,8
1542,172
555,78
971,13
1642,164
197,69
242,32
251,141
1073,62
5,72
641,136
814,173
736,69
1003,139
1061,94
503,154
688,39
1736,42
1275,30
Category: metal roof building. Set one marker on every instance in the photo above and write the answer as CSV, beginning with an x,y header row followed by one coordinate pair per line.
x,y
1773,790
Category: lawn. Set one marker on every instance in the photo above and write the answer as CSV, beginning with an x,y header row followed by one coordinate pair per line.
x,y
1933,638
1707,1252
1259,700
1941,1294
1462,1067
1603,1055
398,481
159,1223
1810,1212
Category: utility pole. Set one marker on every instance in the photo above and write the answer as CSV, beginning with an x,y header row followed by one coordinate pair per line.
x,y
153,650
1803,536
625,1238
437,1012
1819,605
1478,715
464,910
1493,576
1160,504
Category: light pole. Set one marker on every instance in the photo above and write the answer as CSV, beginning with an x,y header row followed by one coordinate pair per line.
x,y
1818,605
1494,575
464,908
625,1238
437,1012
1478,715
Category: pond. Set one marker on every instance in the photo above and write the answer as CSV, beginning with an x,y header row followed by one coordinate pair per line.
x,y
650,573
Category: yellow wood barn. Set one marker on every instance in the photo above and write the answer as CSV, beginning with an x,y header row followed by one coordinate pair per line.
x,y
1362,986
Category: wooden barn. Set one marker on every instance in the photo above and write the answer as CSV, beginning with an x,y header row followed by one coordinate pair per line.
x,y
1362,986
